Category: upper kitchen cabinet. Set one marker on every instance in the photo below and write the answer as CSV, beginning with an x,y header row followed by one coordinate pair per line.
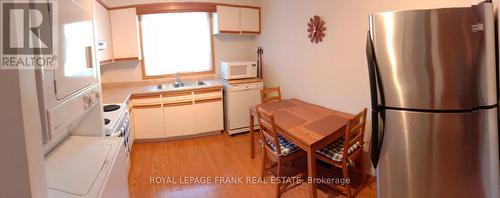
x,y
124,31
227,19
236,20
103,34
250,20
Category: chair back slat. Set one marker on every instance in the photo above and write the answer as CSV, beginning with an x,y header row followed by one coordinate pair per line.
x,y
266,130
270,94
269,133
355,131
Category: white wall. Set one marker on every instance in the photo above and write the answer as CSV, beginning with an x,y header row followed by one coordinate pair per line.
x,y
334,72
226,47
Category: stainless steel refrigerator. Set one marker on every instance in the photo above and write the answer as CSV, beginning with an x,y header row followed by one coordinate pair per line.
x,y
433,83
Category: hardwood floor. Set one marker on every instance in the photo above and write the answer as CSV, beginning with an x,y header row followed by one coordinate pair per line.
x,y
213,157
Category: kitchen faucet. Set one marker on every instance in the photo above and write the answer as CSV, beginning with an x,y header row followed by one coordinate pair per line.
x,y
177,79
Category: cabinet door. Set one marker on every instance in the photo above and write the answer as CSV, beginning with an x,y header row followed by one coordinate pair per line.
x,y
124,30
250,20
103,32
209,115
132,125
179,119
148,122
238,102
228,19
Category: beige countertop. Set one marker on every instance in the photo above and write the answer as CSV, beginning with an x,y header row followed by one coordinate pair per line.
x,y
121,92
241,81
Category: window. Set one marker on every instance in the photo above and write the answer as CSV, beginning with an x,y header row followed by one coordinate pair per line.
x,y
176,43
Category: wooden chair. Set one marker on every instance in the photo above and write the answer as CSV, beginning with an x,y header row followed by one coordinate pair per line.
x,y
352,144
277,151
270,94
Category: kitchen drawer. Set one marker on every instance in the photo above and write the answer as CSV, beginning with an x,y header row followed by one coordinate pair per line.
x,y
207,94
146,100
176,97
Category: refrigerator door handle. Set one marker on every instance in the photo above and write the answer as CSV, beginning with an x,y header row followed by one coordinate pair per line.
x,y
377,109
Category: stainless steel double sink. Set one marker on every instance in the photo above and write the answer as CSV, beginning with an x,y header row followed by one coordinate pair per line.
x,y
187,84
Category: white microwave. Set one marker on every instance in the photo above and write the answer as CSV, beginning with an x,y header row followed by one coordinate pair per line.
x,y
238,70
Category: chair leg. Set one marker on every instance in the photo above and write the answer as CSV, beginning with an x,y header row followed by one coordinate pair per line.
x,y
362,170
278,175
264,159
345,171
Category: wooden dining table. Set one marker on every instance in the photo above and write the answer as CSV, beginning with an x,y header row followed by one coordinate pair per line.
x,y
309,126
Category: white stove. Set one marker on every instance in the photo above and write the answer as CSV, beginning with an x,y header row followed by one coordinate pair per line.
x,y
116,123
112,116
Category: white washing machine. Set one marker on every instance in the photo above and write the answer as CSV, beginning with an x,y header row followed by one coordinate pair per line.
x,y
87,167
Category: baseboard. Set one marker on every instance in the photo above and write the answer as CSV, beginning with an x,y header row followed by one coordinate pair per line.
x,y
177,138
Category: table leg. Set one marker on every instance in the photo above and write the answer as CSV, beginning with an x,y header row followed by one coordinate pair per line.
x,y
311,167
252,141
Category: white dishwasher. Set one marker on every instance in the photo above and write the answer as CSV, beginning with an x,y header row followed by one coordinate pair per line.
x,y
237,99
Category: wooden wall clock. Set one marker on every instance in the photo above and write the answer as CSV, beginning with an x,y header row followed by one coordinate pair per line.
x,y
316,29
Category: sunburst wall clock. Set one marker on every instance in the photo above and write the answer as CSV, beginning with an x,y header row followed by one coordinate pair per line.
x,y
316,29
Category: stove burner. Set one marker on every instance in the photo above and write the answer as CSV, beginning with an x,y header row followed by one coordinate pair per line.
x,y
106,121
108,108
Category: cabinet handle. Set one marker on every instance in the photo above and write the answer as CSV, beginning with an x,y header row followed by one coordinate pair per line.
x,y
250,32
207,100
177,104
176,94
88,56
145,96
150,106
207,91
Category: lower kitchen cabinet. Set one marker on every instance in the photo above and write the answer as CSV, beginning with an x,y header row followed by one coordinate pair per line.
x,y
177,114
131,123
209,115
148,122
179,119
